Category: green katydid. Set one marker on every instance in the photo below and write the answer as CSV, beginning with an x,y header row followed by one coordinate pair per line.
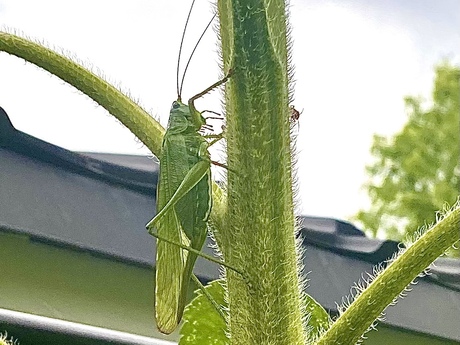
x,y
183,205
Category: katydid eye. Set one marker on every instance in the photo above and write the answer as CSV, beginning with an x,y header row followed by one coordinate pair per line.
x,y
175,105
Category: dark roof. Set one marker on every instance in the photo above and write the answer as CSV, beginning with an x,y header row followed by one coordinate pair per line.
x,y
61,197
123,170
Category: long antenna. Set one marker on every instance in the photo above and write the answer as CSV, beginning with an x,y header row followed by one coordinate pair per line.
x,y
191,55
180,51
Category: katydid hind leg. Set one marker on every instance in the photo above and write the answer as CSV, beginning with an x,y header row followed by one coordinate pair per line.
x,y
188,272
194,224
197,252
194,176
194,219
208,296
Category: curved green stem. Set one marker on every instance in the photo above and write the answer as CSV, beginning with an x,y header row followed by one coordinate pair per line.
x,y
136,119
369,305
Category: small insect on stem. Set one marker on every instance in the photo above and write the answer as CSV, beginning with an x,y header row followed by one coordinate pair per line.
x,y
295,114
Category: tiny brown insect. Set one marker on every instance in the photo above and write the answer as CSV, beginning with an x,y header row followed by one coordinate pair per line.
x,y
295,114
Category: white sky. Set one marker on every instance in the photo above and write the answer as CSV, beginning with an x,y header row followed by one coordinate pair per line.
x,y
354,61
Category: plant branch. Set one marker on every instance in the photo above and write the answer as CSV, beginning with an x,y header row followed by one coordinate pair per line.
x,y
136,119
370,304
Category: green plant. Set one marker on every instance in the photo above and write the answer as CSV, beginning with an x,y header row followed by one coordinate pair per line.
x,y
418,169
5,341
254,223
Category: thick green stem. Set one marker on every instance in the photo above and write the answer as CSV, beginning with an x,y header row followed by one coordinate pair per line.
x,y
390,283
259,234
136,119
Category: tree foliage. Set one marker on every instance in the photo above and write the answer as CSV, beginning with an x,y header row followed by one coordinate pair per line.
x,y
417,170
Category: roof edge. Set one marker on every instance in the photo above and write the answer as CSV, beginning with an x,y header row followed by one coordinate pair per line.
x,y
50,326
37,149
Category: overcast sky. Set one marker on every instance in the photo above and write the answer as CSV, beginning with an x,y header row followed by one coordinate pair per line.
x,y
354,63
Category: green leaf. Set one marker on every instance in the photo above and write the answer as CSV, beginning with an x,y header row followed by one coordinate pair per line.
x,y
203,324
318,318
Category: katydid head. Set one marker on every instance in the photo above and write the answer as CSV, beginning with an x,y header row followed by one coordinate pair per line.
x,y
182,118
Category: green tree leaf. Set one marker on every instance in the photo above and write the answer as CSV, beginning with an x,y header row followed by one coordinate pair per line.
x,y
203,324
417,171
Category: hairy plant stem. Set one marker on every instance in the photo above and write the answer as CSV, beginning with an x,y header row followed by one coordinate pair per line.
x,y
369,305
259,234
